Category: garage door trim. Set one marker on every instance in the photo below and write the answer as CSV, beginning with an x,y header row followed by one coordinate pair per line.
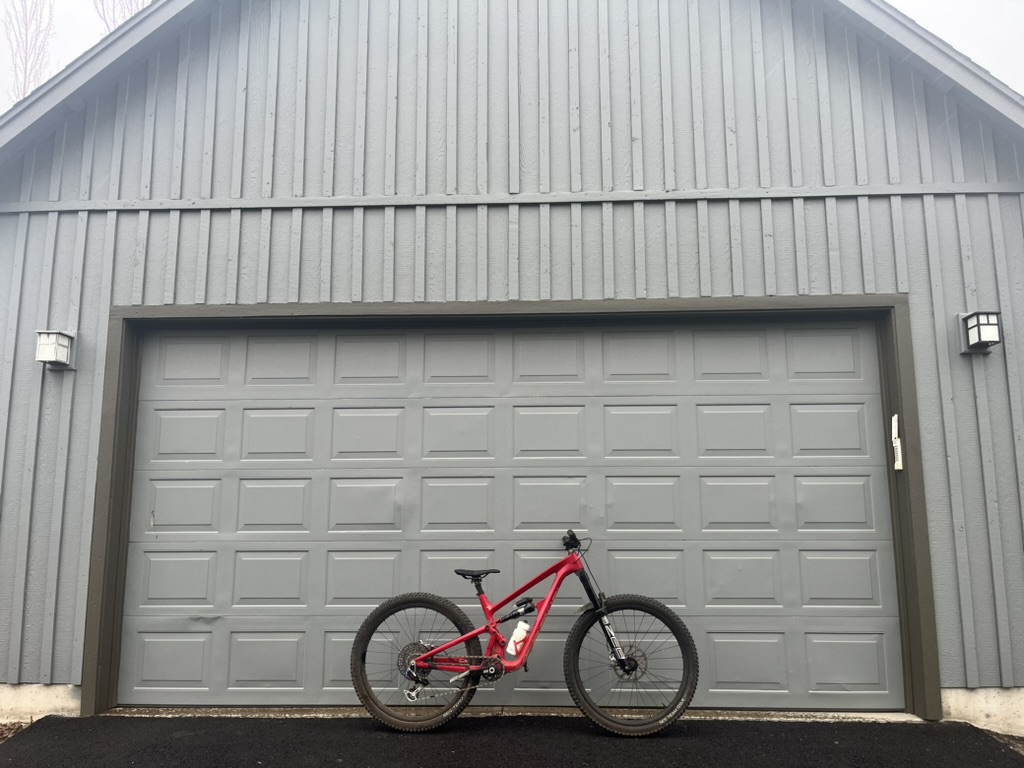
x,y
128,326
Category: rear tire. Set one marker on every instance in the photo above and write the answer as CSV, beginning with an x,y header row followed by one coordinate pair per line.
x,y
396,631
659,688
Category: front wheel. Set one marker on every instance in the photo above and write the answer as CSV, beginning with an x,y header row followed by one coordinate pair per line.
x,y
660,673
394,634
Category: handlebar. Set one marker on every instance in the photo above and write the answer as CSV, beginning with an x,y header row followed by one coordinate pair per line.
x,y
570,542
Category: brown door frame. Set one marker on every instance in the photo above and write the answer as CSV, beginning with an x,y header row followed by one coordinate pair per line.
x,y
129,325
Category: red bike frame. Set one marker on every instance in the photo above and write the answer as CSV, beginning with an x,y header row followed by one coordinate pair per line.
x,y
433,659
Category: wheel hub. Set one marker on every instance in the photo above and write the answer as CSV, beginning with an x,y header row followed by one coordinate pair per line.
x,y
634,667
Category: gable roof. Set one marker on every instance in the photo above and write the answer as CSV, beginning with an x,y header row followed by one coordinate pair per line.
x,y
876,18
899,33
64,90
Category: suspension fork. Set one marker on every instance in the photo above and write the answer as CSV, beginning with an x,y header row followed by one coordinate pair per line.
x,y
597,600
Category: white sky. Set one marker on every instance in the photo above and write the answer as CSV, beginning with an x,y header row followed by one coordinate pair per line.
x,y
989,31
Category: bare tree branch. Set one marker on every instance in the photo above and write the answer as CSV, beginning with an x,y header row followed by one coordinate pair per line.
x,y
28,26
114,13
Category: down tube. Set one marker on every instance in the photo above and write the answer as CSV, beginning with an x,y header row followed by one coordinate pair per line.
x,y
561,571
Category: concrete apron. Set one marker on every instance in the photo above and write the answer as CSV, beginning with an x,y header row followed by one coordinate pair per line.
x,y
994,709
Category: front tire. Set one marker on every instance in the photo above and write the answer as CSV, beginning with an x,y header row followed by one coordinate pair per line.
x,y
660,683
396,632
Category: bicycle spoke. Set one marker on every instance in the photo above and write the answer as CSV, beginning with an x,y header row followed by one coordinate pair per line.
x,y
651,686
386,647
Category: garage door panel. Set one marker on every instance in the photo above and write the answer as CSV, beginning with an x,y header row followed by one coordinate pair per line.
x,y
657,573
374,360
644,503
277,434
275,505
359,505
818,665
831,354
642,431
639,357
281,361
462,358
739,503
552,504
195,434
182,579
629,502
186,503
821,430
380,574
731,355
458,433
747,579
833,503
736,431
747,661
548,357
285,483
370,434
170,660
186,361
458,504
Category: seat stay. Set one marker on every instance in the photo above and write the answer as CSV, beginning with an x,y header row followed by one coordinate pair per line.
x,y
570,564
445,664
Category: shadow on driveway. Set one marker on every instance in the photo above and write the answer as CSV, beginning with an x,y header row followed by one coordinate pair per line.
x,y
494,742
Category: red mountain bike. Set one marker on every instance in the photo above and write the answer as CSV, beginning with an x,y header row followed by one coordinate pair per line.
x,y
630,662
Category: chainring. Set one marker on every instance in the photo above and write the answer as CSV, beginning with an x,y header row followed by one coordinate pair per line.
x,y
494,669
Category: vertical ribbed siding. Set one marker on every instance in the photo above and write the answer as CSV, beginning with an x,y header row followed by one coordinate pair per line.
x,y
542,149
11,528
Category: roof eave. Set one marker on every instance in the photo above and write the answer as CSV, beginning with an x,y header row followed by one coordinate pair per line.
x,y
901,32
57,93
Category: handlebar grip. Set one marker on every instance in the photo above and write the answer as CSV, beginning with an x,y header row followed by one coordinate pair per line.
x,y
569,541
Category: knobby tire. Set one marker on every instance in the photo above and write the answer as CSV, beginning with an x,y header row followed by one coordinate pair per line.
x,y
397,630
648,699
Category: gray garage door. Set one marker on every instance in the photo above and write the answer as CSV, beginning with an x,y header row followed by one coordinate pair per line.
x,y
285,483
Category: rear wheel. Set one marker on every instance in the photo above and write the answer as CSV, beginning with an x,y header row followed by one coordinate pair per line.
x,y
395,633
661,671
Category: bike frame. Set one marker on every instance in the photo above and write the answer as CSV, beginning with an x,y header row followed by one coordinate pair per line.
x,y
435,660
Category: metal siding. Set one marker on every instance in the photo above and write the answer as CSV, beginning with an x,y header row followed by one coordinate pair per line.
x,y
241,105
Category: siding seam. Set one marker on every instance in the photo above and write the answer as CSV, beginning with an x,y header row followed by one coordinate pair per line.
x,y
552,198
824,99
20,256
270,109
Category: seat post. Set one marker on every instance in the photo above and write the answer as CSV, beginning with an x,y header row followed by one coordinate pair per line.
x,y
479,584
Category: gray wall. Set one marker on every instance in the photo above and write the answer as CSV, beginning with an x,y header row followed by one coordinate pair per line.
x,y
473,150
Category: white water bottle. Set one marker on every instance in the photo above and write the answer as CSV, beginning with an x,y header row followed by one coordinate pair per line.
x,y
515,643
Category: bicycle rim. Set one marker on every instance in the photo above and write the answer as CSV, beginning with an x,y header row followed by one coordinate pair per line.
x,y
393,636
657,691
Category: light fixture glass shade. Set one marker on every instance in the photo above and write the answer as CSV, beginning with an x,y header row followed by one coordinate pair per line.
x,y
982,329
53,347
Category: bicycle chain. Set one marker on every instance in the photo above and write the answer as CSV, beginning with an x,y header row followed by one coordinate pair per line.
x,y
470,659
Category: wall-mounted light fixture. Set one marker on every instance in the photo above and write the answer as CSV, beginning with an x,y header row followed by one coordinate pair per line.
x,y
54,348
979,331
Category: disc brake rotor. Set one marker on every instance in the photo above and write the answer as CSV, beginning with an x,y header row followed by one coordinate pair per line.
x,y
634,656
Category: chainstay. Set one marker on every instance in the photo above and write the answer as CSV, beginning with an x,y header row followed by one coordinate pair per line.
x,y
486,684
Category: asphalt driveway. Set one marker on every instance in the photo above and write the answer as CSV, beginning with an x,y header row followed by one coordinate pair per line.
x,y
495,742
